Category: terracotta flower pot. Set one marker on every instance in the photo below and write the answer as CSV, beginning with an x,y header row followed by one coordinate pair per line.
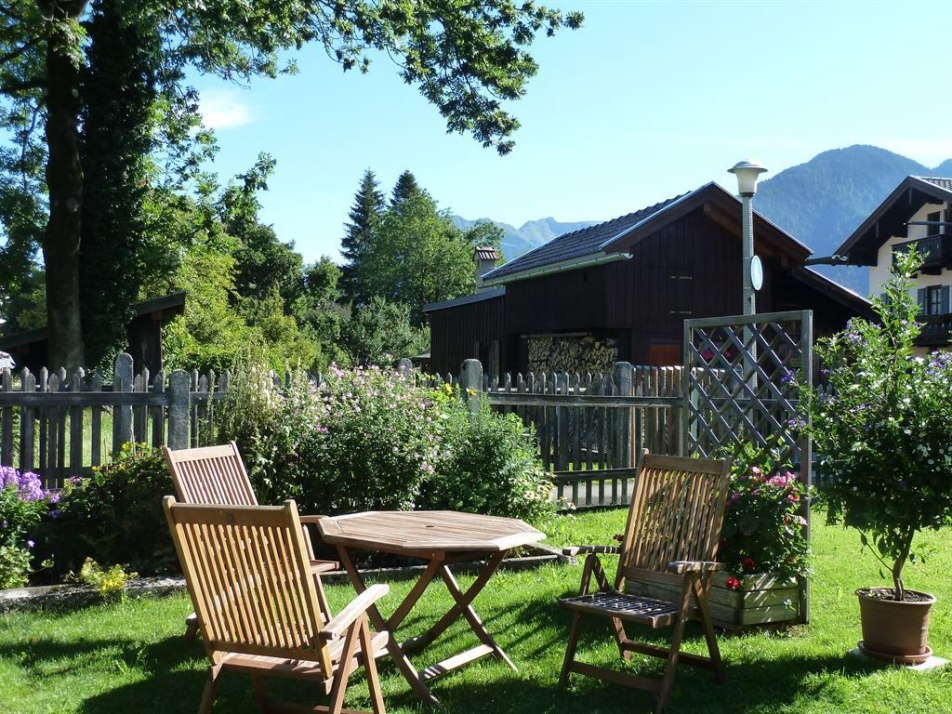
x,y
895,631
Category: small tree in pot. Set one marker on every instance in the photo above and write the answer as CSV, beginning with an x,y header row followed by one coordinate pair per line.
x,y
883,425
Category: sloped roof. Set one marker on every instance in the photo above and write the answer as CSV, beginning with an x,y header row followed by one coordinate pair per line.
x,y
577,244
889,218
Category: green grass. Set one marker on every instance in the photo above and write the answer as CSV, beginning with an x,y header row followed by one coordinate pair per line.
x,y
130,656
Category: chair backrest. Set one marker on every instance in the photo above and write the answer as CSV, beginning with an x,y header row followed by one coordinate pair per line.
x,y
249,576
210,474
676,513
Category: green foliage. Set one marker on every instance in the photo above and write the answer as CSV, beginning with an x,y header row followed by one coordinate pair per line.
x,y
318,312
381,332
418,257
764,530
110,582
14,566
370,439
490,465
884,428
115,515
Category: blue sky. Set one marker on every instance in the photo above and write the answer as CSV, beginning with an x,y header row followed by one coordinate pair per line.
x,y
645,101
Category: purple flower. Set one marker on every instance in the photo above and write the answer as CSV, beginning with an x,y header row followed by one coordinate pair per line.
x,y
30,544
787,377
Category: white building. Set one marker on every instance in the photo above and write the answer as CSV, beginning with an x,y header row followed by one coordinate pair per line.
x,y
917,214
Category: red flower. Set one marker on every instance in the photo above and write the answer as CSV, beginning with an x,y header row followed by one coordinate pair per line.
x,y
748,563
619,537
732,583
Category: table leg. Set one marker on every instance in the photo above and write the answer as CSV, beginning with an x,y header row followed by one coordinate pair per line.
x,y
463,607
393,647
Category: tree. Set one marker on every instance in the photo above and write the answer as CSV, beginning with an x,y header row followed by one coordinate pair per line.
x,y
405,188
365,216
418,257
381,332
318,312
466,58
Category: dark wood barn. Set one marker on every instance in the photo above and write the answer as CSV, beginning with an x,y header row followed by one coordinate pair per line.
x,y
144,333
620,290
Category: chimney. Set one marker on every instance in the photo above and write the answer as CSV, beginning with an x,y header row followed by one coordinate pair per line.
x,y
485,258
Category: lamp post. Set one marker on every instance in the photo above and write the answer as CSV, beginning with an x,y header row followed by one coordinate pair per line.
x,y
747,173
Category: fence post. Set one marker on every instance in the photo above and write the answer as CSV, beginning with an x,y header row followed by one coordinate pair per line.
x,y
471,383
179,407
625,387
122,414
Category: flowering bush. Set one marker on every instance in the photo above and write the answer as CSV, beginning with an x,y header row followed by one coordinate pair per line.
x,y
372,439
23,502
884,428
763,526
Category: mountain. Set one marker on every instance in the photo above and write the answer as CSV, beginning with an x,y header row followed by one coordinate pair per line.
x,y
822,201
516,241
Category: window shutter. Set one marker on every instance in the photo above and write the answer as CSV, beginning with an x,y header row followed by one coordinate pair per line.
x,y
921,299
944,301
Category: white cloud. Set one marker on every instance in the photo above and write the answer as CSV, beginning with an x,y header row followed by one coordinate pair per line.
x,y
223,108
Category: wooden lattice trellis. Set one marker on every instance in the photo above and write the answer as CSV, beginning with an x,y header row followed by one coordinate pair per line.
x,y
741,375
740,384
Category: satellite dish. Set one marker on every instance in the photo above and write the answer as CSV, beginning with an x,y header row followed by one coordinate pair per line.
x,y
756,273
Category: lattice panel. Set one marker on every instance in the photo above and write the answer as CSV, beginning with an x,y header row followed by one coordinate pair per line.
x,y
741,375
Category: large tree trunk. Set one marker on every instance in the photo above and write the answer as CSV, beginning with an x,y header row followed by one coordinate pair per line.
x,y
64,178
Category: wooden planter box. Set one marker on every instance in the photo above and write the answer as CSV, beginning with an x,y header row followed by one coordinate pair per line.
x,y
764,598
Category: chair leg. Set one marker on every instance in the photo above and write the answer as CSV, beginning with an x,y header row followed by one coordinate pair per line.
x,y
714,652
667,681
621,637
370,664
211,688
261,693
339,687
570,649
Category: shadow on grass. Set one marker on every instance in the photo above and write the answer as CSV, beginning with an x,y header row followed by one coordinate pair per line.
x,y
766,686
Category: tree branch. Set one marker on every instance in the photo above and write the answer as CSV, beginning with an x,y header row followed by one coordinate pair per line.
x,y
10,88
12,55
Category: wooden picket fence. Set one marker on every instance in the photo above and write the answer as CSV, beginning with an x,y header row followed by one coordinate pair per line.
x,y
60,425
589,428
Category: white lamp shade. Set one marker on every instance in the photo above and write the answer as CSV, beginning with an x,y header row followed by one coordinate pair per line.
x,y
747,173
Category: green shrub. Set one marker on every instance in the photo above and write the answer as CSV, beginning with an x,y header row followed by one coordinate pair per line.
x,y
115,516
489,466
109,582
371,439
23,502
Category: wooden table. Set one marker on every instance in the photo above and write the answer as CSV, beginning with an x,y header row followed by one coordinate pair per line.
x,y
442,538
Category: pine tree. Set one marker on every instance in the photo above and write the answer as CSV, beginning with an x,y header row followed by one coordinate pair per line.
x,y
365,216
405,188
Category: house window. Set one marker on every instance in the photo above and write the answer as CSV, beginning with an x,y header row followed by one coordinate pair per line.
x,y
933,300
933,229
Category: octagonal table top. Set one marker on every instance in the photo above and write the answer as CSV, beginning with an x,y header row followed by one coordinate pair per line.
x,y
423,533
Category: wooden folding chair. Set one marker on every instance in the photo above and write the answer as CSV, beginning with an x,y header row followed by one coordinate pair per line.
x,y
666,560
216,475
249,576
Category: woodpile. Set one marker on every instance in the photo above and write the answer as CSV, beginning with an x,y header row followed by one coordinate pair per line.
x,y
572,353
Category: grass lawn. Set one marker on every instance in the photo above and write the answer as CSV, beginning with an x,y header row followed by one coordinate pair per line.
x,y
131,657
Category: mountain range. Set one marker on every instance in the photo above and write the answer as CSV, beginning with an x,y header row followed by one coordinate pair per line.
x,y
819,202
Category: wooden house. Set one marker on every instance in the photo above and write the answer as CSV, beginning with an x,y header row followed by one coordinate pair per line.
x,y
916,215
620,290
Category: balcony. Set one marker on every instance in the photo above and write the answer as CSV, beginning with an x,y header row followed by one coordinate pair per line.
x,y
936,252
936,330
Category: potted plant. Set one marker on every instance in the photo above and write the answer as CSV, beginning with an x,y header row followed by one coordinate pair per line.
x,y
882,424
764,542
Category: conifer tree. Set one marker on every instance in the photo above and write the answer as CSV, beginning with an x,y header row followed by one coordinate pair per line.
x,y
365,216
405,188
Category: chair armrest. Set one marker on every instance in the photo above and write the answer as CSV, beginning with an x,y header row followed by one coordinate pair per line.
x,y
579,549
694,566
337,627
310,520
324,566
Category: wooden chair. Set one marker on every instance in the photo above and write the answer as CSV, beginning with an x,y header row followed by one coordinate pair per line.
x,y
216,475
248,574
665,563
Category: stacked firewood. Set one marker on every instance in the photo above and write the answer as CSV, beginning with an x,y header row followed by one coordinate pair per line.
x,y
576,353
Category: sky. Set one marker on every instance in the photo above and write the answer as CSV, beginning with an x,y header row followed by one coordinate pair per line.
x,y
647,100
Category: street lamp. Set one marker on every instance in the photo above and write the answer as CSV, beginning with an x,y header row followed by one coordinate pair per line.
x,y
747,173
